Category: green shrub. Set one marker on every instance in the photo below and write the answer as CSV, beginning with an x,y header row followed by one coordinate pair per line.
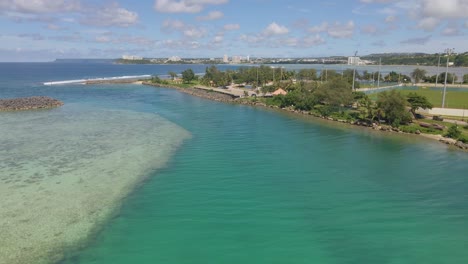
x,y
463,139
453,132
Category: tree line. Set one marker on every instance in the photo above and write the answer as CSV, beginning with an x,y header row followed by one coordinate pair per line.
x,y
328,93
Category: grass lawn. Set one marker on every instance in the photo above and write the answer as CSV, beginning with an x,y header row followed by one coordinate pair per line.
x,y
453,99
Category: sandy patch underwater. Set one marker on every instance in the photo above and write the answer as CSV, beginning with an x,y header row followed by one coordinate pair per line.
x,y
63,172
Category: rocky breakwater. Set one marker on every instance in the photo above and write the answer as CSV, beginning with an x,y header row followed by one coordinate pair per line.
x,y
29,103
207,94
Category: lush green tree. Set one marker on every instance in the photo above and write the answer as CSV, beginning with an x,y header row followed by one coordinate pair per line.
x,y
366,108
188,76
465,78
172,74
307,74
418,101
336,93
450,78
418,75
392,108
461,60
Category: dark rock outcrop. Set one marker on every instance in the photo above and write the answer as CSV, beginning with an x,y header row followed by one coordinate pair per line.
x,y
29,103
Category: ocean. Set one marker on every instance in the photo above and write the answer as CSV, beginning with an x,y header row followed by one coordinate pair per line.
x,y
136,174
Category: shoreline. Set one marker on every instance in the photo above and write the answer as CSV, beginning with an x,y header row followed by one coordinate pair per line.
x,y
214,96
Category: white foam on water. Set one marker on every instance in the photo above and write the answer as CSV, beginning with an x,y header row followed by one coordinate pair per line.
x,y
64,172
83,81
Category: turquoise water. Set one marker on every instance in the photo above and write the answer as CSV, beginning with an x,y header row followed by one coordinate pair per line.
x,y
256,186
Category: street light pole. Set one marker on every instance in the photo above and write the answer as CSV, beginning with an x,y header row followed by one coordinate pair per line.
x,y
449,52
438,72
354,70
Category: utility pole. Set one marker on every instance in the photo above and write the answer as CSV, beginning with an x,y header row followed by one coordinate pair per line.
x,y
449,52
354,70
438,72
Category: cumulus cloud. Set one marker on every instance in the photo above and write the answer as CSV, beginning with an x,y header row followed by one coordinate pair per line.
x,y
218,39
338,30
229,27
52,12
170,25
213,15
451,31
275,29
112,15
188,31
335,30
417,41
313,41
39,6
428,23
320,28
370,29
184,6
445,9
390,19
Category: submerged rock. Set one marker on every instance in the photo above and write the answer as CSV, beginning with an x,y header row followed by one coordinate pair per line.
x,y
29,103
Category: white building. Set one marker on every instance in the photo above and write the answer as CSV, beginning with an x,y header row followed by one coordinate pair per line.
x,y
225,58
354,60
236,59
130,57
174,58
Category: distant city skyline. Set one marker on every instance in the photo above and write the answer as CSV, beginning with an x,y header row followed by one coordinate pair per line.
x,y
43,30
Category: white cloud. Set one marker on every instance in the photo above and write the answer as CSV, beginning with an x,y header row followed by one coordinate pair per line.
x,y
170,25
188,31
218,39
320,28
335,30
194,33
275,29
370,29
451,31
55,11
184,6
112,15
313,41
39,6
229,27
390,19
338,30
213,15
445,9
428,23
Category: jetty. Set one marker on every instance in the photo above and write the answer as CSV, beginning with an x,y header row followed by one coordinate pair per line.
x,y
232,91
29,103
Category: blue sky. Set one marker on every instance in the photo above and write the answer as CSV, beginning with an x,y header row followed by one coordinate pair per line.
x,y
42,30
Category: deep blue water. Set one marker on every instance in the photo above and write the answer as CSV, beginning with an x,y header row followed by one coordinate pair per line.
x,y
258,186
